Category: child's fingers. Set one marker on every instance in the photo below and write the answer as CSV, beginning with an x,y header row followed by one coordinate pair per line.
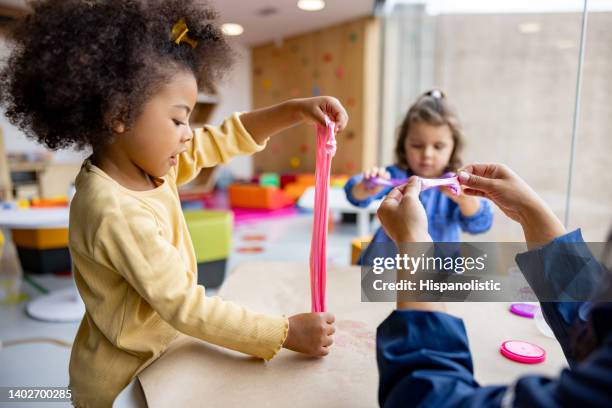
x,y
327,341
341,121
319,116
329,318
331,330
336,111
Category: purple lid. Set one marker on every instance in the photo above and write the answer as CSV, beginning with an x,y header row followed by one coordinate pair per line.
x,y
523,309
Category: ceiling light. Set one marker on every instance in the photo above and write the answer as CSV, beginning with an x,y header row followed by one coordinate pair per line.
x,y
311,5
529,28
232,29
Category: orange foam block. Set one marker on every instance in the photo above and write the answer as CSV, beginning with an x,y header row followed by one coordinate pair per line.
x,y
44,238
255,196
357,246
295,190
306,179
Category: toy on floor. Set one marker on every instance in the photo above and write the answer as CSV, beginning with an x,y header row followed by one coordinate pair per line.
x,y
269,180
220,200
357,245
449,180
211,234
255,237
254,196
250,250
250,215
298,185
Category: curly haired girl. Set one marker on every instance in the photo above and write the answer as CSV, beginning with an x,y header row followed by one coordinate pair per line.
x,y
121,77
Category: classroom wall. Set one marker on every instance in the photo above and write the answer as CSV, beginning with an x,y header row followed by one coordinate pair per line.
x,y
235,96
341,61
515,93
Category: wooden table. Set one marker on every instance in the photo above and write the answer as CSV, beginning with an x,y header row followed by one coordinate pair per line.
x,y
192,372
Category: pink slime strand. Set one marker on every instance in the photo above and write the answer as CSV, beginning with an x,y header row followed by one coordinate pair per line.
x,y
452,182
326,148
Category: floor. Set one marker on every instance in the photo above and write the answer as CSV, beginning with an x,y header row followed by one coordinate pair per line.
x,y
42,364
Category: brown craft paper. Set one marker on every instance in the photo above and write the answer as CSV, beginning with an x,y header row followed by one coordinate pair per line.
x,y
194,373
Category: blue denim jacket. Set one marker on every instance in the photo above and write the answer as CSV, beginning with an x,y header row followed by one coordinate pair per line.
x,y
424,358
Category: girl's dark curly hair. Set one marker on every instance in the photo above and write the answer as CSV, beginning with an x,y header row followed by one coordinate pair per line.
x,y
76,66
432,108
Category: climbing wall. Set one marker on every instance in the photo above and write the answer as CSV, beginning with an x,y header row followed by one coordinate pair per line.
x,y
341,61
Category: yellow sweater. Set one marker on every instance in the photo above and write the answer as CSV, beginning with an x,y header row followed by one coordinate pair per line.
x,y
135,269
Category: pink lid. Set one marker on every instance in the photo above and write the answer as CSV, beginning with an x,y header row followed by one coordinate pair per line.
x,y
522,351
523,309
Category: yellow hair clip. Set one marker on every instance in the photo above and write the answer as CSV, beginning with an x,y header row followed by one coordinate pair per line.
x,y
179,33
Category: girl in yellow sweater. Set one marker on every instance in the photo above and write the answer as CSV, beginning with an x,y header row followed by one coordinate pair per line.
x,y
121,77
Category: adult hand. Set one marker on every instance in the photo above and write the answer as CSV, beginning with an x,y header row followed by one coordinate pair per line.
x,y
514,197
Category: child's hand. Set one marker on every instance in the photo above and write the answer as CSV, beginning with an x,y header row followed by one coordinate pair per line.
x,y
316,108
361,191
376,172
310,333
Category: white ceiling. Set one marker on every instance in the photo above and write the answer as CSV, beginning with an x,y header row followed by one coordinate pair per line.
x,y
287,21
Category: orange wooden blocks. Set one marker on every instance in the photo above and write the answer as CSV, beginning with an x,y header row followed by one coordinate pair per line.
x,y
44,238
255,196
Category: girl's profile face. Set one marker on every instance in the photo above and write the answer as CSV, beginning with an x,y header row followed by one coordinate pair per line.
x,y
428,149
161,131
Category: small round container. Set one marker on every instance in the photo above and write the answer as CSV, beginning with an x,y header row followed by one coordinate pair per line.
x,y
524,310
522,352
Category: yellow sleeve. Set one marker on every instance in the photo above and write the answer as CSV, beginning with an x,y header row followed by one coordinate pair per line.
x,y
132,244
212,145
